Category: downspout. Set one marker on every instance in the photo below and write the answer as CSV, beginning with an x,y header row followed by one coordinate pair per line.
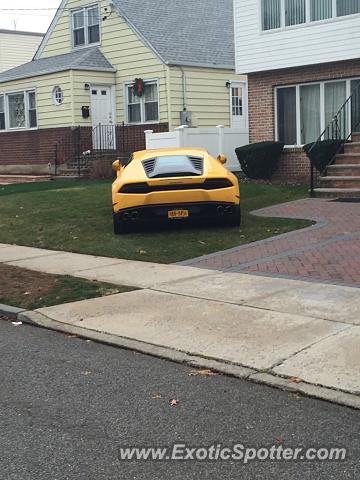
x,y
184,89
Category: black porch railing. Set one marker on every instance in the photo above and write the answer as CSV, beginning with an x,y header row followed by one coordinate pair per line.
x,y
340,130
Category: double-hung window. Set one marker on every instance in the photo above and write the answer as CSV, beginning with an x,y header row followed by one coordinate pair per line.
x,y
277,14
304,111
86,26
18,110
144,109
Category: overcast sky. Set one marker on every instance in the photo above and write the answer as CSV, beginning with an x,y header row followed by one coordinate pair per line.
x,y
32,21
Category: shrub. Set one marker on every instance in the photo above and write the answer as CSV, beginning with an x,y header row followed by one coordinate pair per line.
x,y
260,160
322,153
101,169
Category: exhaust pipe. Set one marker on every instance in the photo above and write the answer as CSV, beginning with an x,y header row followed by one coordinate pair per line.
x,y
220,210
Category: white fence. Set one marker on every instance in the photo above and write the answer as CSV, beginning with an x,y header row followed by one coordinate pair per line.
x,y
218,140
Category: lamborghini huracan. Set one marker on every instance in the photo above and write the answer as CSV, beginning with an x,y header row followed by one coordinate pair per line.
x,y
175,186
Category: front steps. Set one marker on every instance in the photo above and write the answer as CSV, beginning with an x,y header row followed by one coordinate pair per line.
x,y
342,179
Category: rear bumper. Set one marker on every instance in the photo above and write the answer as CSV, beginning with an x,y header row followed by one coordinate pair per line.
x,y
198,211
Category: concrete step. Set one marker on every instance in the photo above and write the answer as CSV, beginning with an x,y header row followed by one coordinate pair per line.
x,y
340,182
344,170
337,192
352,147
355,137
10,179
348,158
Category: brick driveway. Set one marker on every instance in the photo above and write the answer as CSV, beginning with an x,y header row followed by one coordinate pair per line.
x,y
328,251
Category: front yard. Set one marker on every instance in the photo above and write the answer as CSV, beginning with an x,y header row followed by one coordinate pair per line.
x,y
76,216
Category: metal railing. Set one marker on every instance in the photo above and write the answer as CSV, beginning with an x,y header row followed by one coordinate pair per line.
x,y
340,129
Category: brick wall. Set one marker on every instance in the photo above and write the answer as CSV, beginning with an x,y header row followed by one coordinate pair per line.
x,y
32,150
294,164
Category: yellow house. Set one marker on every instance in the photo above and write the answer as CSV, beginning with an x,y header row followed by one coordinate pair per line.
x,y
108,70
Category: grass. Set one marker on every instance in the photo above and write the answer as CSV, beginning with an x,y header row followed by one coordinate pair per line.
x,y
76,216
30,290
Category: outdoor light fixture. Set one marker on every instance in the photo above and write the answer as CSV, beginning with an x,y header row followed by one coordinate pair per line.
x,y
228,83
87,87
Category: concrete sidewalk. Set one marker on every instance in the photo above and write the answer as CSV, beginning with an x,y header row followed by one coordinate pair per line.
x,y
292,334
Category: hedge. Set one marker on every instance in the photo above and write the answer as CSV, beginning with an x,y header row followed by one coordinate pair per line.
x,y
323,152
260,160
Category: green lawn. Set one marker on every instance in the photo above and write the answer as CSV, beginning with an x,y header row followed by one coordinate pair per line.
x,y
76,216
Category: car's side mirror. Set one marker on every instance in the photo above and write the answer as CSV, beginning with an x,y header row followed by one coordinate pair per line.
x,y
222,158
117,165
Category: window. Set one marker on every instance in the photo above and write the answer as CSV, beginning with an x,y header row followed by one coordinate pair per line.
x,y
58,95
271,14
295,12
320,10
286,108
32,110
347,7
18,110
86,26
304,111
2,112
143,109
237,101
287,13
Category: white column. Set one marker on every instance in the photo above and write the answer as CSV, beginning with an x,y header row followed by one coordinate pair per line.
x,y
148,134
221,139
182,135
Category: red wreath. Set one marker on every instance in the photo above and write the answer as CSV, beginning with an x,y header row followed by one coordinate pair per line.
x,y
138,87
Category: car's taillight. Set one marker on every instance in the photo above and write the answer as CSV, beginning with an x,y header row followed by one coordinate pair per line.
x,y
215,183
135,188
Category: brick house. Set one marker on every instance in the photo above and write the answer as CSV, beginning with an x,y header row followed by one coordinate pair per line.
x,y
302,58
107,70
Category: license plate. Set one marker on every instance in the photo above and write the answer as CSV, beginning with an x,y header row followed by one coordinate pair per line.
x,y
178,214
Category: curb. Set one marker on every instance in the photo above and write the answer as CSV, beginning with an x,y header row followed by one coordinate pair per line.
x,y
238,371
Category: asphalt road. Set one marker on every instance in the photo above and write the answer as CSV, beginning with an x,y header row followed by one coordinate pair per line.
x,y
67,405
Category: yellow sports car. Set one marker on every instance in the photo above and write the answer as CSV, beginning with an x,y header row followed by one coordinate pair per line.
x,y
174,185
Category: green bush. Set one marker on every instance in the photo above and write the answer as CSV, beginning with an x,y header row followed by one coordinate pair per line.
x,y
260,160
323,152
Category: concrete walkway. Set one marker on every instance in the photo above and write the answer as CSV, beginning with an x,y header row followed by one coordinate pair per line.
x,y
293,334
327,252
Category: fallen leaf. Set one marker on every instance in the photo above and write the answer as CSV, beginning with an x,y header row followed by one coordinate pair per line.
x,y
174,403
156,397
16,324
202,243
143,252
86,373
294,380
27,293
205,373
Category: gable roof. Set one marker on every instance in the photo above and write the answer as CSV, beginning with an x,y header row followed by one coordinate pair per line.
x,y
184,32
84,59
180,32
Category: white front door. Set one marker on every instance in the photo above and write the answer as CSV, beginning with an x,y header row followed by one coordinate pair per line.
x,y
238,105
103,121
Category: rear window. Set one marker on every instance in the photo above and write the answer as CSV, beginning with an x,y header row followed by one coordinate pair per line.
x,y
173,166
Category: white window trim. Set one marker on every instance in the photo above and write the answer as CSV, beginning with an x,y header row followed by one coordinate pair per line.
x,y
72,27
57,103
142,103
308,23
322,84
27,117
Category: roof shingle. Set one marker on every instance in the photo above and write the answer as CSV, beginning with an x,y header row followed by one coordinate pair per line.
x,y
185,32
84,59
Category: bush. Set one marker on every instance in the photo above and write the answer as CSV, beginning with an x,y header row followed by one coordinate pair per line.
x,y
323,152
260,160
101,169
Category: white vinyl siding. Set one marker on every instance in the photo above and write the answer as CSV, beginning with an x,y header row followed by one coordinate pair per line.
x,y
314,42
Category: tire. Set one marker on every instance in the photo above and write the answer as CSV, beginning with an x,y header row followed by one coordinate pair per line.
x,y
119,226
235,220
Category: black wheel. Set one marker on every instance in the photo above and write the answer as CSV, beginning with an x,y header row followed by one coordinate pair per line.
x,y
119,226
